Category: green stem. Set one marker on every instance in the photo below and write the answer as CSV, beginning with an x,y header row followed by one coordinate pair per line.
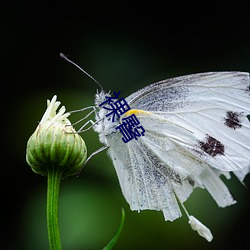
x,y
54,177
117,234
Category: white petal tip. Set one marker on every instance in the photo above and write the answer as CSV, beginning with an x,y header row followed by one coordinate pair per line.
x,y
51,114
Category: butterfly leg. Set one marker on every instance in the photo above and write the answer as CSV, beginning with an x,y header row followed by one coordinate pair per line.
x,y
81,129
86,116
96,152
91,155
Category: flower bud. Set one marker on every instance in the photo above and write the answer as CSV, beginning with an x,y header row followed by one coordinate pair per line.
x,y
55,144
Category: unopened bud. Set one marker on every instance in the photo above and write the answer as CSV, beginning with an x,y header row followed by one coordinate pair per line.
x,y
55,143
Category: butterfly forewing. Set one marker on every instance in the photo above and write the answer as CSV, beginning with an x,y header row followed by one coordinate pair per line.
x,y
213,107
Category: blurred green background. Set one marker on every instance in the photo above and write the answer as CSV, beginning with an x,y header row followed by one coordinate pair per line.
x,y
125,47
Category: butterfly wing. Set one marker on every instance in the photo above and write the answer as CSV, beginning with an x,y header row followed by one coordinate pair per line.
x,y
142,185
196,127
213,106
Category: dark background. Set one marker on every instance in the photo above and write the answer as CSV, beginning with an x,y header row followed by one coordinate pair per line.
x,y
125,45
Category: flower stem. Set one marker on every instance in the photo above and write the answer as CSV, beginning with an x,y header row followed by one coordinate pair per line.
x,y
54,177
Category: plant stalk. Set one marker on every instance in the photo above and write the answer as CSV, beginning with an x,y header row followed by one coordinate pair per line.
x,y
53,185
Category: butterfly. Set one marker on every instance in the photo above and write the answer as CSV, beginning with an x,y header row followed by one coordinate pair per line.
x,y
196,129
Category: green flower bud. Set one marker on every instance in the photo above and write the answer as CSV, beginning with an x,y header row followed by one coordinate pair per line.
x,y
55,144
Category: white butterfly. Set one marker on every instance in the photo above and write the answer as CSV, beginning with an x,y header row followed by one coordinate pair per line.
x,y
196,129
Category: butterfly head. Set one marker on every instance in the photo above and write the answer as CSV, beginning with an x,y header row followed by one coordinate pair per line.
x,y
106,123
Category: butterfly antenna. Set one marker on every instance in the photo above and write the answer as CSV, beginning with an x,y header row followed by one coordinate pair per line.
x,y
90,76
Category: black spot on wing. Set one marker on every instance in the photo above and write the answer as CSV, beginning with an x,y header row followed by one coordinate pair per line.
x,y
212,146
233,119
190,181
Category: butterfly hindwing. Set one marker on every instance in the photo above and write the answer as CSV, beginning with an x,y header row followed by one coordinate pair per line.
x,y
142,183
179,156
